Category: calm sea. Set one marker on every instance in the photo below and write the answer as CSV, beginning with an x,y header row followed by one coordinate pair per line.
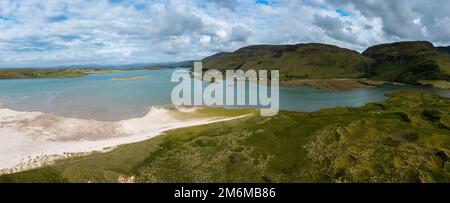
x,y
100,97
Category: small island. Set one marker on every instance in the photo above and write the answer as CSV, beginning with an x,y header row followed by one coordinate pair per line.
x,y
128,77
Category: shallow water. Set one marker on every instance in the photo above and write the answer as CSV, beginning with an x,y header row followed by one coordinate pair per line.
x,y
100,97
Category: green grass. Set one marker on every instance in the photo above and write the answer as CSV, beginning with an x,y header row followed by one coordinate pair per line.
x,y
442,84
404,62
404,139
40,73
294,61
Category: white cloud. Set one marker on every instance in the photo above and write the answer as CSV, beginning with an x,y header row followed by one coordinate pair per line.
x,y
59,32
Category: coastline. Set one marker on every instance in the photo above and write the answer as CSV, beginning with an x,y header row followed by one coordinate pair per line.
x,y
331,84
259,149
34,73
33,139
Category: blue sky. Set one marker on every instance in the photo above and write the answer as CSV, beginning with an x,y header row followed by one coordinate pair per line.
x,y
62,32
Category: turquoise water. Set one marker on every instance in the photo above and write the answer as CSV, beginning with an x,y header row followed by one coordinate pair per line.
x,y
99,96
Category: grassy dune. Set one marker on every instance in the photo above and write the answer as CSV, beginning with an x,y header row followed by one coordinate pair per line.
x,y
404,139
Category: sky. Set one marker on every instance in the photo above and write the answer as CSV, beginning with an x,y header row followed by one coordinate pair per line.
x,y
36,33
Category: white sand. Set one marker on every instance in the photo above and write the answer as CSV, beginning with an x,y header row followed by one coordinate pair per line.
x,y
31,139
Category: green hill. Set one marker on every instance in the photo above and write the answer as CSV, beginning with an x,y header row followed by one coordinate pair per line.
x,y
294,61
408,62
444,59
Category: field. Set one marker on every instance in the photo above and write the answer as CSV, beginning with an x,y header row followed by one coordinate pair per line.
x,y
27,73
40,73
442,84
405,139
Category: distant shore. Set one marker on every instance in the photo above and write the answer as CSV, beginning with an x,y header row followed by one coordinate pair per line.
x,y
331,84
344,84
29,73
337,84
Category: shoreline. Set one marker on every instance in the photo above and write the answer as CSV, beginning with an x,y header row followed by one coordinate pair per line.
x,y
332,84
329,84
338,84
38,73
30,140
189,155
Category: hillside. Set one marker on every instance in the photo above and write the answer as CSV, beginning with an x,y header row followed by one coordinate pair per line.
x,y
405,62
40,73
444,49
444,59
408,62
294,61
404,139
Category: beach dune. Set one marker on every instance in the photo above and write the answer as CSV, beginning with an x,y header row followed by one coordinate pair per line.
x,y
32,139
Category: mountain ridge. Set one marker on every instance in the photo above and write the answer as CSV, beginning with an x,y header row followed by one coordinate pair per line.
x,y
289,57
407,62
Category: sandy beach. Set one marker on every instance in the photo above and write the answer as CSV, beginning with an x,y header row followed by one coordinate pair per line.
x,y
32,139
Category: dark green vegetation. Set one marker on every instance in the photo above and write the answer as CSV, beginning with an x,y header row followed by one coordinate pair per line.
x,y
404,139
40,73
405,62
294,61
408,62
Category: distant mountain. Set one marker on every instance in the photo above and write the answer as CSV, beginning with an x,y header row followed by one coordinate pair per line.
x,y
406,62
294,61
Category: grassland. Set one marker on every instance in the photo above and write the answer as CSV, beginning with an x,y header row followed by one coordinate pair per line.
x,y
402,62
441,84
40,73
404,139
50,73
27,73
